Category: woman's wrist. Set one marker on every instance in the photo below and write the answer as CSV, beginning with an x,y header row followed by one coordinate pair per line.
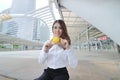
x,y
47,46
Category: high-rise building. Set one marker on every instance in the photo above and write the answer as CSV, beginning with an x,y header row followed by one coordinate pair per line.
x,y
22,6
41,31
25,24
12,28
29,28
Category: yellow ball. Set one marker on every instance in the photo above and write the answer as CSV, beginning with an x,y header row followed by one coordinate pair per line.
x,y
55,40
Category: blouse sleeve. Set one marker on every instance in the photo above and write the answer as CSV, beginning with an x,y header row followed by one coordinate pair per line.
x,y
42,56
72,59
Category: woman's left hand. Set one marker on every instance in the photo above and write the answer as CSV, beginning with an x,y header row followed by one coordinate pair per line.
x,y
64,43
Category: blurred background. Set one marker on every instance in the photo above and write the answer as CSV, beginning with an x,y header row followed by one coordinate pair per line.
x,y
27,24
93,26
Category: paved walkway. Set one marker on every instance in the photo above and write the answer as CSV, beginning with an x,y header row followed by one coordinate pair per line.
x,y
23,65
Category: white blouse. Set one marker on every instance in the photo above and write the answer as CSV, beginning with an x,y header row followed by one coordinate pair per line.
x,y
57,57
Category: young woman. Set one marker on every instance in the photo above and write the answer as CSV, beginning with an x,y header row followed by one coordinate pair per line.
x,y
57,55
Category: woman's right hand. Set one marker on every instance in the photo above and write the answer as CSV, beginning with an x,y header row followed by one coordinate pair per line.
x,y
48,45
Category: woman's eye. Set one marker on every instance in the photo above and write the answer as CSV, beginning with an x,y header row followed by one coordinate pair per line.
x,y
60,27
55,27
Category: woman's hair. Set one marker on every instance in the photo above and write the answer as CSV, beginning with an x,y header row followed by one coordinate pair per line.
x,y
64,30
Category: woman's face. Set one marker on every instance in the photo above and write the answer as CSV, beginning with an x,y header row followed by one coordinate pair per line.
x,y
57,30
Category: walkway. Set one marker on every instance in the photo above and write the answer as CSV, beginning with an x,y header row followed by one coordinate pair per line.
x,y
23,65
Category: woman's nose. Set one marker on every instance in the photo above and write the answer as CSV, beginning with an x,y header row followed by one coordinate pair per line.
x,y
57,30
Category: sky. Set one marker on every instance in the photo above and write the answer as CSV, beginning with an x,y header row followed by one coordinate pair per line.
x,y
5,4
44,3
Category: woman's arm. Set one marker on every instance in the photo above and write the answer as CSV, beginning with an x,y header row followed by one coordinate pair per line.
x,y
44,52
72,59
42,56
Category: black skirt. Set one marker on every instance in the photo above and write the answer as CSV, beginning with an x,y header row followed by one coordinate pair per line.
x,y
54,74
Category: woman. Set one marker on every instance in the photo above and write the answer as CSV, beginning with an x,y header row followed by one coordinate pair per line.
x,y
57,55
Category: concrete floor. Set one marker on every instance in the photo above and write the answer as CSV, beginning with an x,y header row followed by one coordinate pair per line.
x,y
23,65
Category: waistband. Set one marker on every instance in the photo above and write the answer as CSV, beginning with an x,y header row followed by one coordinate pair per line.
x,y
57,70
